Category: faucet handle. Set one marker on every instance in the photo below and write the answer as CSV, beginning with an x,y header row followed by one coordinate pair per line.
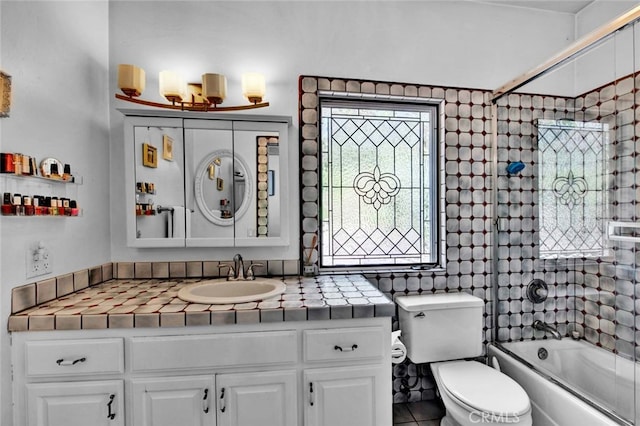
x,y
250,273
232,272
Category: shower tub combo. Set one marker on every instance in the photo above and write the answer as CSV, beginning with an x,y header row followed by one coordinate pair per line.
x,y
570,382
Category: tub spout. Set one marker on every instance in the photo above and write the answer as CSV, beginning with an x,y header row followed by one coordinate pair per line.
x,y
543,326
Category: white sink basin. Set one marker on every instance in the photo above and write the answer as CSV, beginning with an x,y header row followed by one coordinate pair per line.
x,y
221,291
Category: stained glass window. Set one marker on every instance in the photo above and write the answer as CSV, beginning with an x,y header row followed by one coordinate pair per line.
x,y
378,181
571,173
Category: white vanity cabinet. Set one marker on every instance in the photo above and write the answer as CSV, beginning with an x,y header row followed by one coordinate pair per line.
x,y
95,403
257,399
292,373
339,395
235,399
170,401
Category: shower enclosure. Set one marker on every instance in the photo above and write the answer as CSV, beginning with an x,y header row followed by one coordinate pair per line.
x,y
567,225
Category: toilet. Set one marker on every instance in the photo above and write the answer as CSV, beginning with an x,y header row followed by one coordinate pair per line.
x,y
444,329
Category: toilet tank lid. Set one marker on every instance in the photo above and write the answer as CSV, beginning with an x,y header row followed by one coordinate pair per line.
x,y
426,302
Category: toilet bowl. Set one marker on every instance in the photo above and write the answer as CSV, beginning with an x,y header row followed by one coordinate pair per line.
x,y
474,393
445,329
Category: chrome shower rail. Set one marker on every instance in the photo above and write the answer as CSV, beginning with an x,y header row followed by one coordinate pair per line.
x,y
588,41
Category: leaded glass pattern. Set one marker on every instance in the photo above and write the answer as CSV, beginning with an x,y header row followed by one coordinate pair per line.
x,y
571,173
377,196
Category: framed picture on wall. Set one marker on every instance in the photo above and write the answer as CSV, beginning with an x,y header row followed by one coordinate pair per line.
x,y
149,155
167,148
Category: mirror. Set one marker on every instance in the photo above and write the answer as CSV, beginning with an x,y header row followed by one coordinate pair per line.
x,y
159,185
223,187
206,182
242,209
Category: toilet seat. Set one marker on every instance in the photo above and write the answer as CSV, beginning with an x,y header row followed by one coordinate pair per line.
x,y
483,389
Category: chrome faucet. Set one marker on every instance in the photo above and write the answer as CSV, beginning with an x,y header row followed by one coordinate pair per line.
x,y
543,326
238,265
237,271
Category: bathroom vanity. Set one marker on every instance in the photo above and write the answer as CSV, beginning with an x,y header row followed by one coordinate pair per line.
x,y
319,364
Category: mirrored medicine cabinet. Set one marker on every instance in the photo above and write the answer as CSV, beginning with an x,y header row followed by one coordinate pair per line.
x,y
205,180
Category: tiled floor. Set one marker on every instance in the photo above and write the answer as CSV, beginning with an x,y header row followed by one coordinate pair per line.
x,y
423,413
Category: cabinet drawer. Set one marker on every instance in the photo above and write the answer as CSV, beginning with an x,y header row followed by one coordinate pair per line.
x,y
208,351
344,344
71,358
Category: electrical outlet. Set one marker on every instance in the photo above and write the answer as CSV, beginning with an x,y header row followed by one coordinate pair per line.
x,y
38,260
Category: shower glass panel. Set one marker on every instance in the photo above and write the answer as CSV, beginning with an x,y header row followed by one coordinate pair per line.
x,y
571,218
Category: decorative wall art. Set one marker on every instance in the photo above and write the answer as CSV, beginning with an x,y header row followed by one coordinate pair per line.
x,y
5,94
167,148
149,155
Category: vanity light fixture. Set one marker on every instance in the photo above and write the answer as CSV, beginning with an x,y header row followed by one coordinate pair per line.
x,y
5,94
253,87
205,96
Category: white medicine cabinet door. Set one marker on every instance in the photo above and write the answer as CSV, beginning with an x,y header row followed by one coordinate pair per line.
x,y
257,399
75,404
344,396
213,192
236,183
154,176
171,401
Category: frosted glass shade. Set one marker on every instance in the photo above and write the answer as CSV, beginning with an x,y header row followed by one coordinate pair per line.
x,y
214,87
172,86
253,86
131,79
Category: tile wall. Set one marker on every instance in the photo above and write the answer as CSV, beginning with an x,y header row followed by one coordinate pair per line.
x,y
465,193
595,297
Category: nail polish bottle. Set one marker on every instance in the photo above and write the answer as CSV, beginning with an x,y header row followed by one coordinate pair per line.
x,y
6,164
17,204
46,204
17,163
26,164
29,209
7,207
67,173
33,168
37,209
54,171
61,211
53,210
75,211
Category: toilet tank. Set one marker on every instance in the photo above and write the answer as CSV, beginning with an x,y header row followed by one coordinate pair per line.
x,y
441,327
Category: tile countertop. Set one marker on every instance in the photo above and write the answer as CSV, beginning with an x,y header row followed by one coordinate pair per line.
x,y
154,303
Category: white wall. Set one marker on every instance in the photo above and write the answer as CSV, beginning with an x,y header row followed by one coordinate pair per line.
x,y
57,54
450,43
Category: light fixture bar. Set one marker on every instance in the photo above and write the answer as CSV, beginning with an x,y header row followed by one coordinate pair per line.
x,y
191,106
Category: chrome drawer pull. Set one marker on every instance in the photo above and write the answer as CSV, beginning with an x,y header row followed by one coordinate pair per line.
x,y
339,348
64,363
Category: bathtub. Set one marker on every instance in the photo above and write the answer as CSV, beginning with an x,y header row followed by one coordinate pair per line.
x,y
604,381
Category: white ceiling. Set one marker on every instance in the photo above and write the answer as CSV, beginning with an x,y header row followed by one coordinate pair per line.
x,y
565,6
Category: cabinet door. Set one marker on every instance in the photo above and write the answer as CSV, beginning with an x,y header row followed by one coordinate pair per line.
x,y
257,399
346,396
154,176
171,401
75,404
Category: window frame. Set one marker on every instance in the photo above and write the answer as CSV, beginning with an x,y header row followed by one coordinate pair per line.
x,y
435,108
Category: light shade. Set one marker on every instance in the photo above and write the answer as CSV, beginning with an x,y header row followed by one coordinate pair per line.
x,y
214,88
172,86
131,79
253,86
5,94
